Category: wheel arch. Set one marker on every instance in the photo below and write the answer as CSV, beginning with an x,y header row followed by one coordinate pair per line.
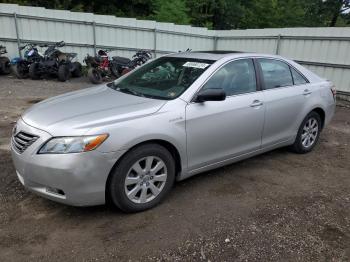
x,y
321,113
168,145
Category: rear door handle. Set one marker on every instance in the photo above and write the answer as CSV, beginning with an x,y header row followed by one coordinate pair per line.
x,y
307,92
256,103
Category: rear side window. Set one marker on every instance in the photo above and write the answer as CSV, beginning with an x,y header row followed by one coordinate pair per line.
x,y
297,77
275,73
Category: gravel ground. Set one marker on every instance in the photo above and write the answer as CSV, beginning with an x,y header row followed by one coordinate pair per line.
x,y
278,206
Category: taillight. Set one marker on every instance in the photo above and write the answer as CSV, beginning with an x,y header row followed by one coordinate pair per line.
x,y
334,91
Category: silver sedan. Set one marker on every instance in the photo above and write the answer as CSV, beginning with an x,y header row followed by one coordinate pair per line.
x,y
174,117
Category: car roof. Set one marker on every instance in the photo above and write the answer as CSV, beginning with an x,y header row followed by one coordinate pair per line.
x,y
217,55
228,55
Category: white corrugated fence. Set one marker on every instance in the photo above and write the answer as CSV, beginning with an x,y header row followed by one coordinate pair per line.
x,y
325,51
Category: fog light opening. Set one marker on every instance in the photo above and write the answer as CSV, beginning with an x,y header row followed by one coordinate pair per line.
x,y
55,191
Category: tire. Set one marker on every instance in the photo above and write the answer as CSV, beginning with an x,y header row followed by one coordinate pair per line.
x,y
5,66
114,70
77,72
20,70
126,70
63,73
95,76
310,129
33,71
143,181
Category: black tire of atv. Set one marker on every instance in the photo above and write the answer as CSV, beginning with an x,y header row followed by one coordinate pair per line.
x,y
78,69
5,66
114,70
95,76
33,71
63,73
19,72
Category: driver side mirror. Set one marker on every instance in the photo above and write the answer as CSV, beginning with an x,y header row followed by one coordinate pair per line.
x,y
210,94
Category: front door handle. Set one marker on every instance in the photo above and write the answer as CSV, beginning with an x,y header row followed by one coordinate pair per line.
x,y
256,103
307,92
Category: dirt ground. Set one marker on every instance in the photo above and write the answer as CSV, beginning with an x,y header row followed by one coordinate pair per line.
x,y
278,206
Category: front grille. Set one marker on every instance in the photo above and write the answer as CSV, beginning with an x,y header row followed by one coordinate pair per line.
x,y
22,140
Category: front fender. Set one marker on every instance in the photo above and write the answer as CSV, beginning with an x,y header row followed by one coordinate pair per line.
x,y
168,125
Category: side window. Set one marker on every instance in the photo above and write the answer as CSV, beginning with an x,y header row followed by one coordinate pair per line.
x,y
298,78
275,73
237,77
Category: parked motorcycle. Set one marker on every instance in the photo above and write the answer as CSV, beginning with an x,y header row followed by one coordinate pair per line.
x,y
5,67
125,65
20,66
56,62
100,66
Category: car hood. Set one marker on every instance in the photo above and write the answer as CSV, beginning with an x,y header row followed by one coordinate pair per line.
x,y
76,112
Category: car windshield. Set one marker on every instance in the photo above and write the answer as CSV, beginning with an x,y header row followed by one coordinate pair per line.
x,y
164,78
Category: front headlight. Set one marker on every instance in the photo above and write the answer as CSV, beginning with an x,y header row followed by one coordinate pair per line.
x,y
64,145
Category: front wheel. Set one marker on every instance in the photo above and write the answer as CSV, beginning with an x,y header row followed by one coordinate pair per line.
x,y
94,75
20,70
77,69
308,134
142,178
63,73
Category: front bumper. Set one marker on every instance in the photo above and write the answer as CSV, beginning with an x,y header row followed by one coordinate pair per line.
x,y
77,179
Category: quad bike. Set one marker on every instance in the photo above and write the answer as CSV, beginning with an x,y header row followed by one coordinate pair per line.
x,y
20,66
125,65
56,63
5,67
100,67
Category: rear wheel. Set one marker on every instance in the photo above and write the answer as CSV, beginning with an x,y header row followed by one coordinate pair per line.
x,y
77,69
308,134
114,70
63,73
5,66
142,179
126,70
94,76
34,71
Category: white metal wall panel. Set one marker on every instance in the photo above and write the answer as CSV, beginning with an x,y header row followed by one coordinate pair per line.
x,y
325,50
339,76
7,27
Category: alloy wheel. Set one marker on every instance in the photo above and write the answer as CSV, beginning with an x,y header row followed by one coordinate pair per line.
x,y
145,179
309,133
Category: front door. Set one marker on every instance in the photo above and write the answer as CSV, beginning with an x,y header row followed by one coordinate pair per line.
x,y
220,130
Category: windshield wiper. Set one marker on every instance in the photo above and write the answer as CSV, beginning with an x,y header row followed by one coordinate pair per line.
x,y
132,92
128,91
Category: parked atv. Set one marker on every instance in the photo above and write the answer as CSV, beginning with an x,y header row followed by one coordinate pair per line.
x,y
56,63
5,67
20,66
100,67
125,65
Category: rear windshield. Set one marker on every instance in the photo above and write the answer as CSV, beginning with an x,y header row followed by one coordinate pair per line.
x,y
164,78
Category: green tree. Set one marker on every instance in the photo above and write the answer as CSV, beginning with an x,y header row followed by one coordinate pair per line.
x,y
201,12
174,11
215,14
335,9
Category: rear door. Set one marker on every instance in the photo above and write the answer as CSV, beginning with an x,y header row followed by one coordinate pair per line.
x,y
220,130
285,94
